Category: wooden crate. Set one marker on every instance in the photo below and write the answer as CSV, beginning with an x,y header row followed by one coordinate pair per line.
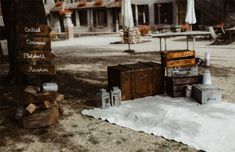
x,y
179,62
182,71
170,55
175,86
206,93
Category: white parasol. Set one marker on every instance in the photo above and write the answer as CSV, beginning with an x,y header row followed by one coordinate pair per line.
x,y
127,16
191,15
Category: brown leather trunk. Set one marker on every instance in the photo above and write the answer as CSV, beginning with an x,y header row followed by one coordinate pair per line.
x,y
175,86
142,80
158,77
137,80
120,76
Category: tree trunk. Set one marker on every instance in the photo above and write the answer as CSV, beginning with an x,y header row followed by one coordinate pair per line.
x,y
16,12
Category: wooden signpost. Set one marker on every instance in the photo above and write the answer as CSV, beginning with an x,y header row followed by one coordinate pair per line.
x,y
37,55
32,42
35,47
34,29
38,69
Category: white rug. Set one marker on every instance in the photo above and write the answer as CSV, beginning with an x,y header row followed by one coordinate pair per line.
x,y
208,127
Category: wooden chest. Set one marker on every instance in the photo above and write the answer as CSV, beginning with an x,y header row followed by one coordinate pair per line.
x,y
137,80
122,77
158,77
175,86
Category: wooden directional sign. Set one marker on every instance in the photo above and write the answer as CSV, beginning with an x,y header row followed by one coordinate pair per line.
x,y
38,69
34,29
38,55
31,43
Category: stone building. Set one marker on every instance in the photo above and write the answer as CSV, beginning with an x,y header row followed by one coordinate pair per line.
x,y
104,15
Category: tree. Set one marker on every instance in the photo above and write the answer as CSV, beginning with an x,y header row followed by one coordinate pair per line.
x,y
16,12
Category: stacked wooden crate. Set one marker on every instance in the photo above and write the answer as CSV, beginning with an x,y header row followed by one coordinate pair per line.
x,y
131,36
39,109
180,70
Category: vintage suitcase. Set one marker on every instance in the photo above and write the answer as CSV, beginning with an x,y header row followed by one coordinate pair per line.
x,y
171,55
142,80
182,71
206,93
158,77
179,62
120,76
175,86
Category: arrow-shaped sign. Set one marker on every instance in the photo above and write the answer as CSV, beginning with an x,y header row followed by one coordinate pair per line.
x,y
31,43
34,29
38,69
38,55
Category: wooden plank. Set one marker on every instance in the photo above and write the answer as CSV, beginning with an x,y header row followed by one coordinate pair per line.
x,y
48,104
38,55
31,108
33,29
32,43
41,119
38,69
60,98
179,63
169,55
31,89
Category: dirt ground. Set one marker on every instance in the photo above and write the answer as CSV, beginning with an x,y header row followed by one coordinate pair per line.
x,y
81,73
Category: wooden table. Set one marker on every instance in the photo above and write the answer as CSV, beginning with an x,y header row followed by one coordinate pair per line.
x,y
231,33
192,34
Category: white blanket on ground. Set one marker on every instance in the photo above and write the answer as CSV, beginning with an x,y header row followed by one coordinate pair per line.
x,y
209,127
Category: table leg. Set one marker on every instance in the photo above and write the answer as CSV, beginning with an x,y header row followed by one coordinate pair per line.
x,y
160,44
187,42
193,43
165,43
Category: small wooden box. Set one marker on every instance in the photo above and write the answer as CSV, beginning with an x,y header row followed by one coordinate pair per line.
x,y
175,86
206,93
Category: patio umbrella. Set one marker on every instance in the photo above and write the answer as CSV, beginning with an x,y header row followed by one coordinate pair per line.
x,y
191,15
127,19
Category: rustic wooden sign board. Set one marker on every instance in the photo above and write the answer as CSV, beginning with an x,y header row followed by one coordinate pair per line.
x,y
35,46
32,43
34,29
39,69
37,55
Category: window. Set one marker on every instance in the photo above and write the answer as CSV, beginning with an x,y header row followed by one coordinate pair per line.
x,y
100,17
163,13
83,17
143,14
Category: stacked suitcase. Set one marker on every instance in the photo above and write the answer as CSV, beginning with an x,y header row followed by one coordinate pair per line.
x,y
137,80
180,70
